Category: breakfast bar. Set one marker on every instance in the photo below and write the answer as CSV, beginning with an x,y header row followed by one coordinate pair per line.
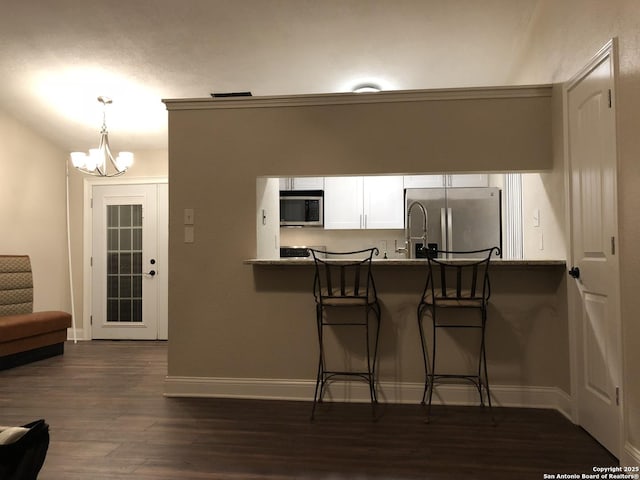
x,y
407,262
527,332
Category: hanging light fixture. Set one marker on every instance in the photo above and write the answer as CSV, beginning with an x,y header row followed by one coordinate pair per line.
x,y
98,160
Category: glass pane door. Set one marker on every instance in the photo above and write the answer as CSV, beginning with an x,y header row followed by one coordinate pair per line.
x,y
124,263
127,269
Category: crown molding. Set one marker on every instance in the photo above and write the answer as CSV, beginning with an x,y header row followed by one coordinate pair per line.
x,y
476,93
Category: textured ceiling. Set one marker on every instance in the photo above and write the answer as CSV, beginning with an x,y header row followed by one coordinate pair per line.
x,y
58,56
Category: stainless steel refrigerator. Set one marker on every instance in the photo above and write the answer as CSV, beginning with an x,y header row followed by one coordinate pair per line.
x,y
458,219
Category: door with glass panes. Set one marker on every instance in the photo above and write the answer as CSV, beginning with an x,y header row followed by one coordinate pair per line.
x,y
129,262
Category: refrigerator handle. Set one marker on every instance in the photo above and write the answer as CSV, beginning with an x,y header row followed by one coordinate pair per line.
x,y
449,231
443,228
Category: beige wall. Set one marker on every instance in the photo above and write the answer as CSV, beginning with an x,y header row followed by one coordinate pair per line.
x,y
147,164
564,37
32,210
231,320
544,194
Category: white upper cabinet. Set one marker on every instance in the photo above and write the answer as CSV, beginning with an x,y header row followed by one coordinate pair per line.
x,y
469,180
424,181
439,181
383,202
363,202
302,183
343,202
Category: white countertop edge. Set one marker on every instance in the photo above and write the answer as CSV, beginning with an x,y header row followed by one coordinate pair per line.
x,y
406,262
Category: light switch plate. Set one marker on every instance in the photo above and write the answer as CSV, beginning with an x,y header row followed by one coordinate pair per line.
x,y
189,234
189,216
536,217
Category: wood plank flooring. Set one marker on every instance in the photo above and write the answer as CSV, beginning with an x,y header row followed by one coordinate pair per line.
x,y
109,420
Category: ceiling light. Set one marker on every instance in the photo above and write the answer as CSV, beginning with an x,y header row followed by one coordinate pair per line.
x,y
366,88
97,162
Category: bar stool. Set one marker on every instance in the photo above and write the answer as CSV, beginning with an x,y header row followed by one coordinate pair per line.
x,y
344,280
456,283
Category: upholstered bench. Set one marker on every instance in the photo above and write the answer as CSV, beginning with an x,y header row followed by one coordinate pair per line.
x,y
25,335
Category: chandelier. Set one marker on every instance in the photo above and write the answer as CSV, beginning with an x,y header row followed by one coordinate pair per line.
x,y
97,161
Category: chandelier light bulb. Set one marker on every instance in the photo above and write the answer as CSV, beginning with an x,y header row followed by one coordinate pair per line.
x,y
78,159
124,160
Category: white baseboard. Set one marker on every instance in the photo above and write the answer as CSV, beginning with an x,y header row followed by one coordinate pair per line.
x,y
630,456
281,389
80,334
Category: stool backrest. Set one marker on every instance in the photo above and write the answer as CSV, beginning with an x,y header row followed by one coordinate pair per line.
x,y
16,285
465,278
343,275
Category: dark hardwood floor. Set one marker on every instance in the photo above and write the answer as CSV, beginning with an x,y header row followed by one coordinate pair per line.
x,y
109,420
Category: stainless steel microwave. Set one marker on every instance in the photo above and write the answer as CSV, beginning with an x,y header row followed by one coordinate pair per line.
x,y
302,208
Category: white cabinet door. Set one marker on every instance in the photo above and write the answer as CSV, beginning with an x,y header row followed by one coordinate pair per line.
x,y
424,181
301,183
343,203
439,181
285,183
383,202
363,202
307,183
468,180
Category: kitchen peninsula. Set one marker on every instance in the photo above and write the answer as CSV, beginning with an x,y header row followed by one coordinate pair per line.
x,y
409,262
527,333
247,328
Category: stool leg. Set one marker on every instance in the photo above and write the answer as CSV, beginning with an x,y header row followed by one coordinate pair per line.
x,y
433,363
372,359
369,369
378,314
484,361
317,395
425,358
481,381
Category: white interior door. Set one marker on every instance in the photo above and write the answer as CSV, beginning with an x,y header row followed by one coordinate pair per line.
x,y
594,232
129,259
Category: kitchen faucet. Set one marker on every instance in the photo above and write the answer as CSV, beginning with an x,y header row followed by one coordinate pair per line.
x,y
407,230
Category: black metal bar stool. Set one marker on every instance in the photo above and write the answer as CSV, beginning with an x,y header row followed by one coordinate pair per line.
x,y
456,283
344,280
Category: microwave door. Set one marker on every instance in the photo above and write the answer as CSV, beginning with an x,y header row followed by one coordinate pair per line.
x,y
301,208
292,211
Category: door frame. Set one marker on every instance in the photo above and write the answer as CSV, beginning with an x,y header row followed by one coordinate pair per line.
x,y
87,241
610,50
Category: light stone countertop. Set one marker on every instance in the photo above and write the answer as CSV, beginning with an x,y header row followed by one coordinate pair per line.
x,y
396,262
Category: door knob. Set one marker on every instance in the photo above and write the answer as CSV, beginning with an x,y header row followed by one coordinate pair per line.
x,y
575,272
151,273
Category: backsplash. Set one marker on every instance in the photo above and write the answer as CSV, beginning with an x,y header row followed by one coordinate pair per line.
x,y
345,240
